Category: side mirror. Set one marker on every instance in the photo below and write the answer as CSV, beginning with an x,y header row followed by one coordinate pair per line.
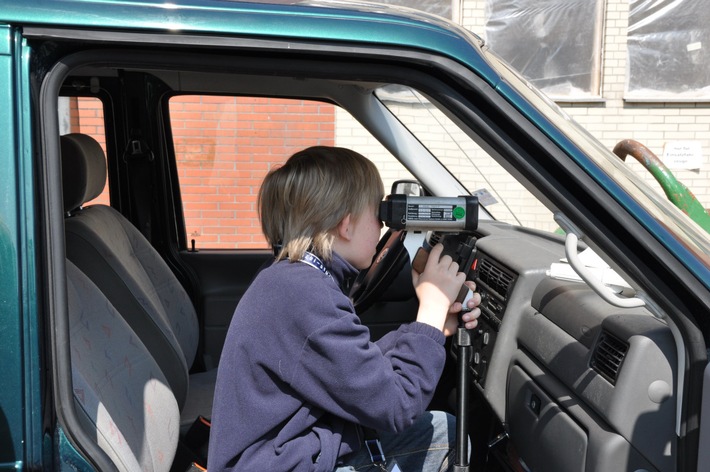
x,y
411,188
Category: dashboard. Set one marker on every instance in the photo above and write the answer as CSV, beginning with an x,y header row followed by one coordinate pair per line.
x,y
577,384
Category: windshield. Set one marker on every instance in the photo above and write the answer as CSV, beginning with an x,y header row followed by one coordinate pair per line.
x,y
651,198
503,197
501,194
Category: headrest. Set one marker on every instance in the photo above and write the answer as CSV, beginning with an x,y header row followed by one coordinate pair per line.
x,y
83,169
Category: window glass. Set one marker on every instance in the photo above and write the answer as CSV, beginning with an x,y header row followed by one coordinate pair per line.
x,y
671,217
668,50
351,134
226,145
224,148
555,44
85,115
502,195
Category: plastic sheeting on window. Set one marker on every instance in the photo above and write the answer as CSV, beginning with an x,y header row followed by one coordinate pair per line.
x,y
437,7
668,50
555,44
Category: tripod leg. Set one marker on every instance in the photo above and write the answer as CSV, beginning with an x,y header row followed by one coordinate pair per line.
x,y
463,385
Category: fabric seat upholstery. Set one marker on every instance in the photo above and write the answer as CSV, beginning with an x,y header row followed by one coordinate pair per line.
x,y
132,275
120,394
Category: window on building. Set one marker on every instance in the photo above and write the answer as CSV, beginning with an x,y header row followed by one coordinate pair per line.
x,y
668,50
556,45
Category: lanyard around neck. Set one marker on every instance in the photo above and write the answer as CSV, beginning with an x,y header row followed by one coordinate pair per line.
x,y
314,261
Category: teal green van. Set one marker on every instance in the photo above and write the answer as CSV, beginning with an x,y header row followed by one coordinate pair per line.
x,y
134,138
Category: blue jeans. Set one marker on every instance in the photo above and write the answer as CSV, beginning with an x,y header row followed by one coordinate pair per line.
x,y
427,446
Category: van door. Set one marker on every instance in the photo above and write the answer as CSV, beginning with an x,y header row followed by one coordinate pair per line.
x,y
21,413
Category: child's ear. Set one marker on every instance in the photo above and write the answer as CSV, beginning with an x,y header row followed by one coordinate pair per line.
x,y
343,229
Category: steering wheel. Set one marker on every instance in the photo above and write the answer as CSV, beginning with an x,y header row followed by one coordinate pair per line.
x,y
389,260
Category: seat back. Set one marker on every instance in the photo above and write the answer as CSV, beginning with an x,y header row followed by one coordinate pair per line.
x,y
105,246
121,396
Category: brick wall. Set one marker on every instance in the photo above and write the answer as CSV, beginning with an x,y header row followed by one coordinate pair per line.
x,y
653,124
225,146
613,118
86,116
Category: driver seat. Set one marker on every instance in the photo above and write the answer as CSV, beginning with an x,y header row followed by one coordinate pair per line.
x,y
106,247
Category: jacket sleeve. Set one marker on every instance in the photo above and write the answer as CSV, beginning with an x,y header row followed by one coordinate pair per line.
x,y
342,372
388,341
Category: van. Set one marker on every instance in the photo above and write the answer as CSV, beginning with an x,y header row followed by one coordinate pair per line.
x,y
135,136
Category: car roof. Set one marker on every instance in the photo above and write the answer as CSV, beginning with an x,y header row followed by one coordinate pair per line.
x,y
323,20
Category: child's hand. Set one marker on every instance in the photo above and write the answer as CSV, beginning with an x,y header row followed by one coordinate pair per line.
x,y
437,287
470,318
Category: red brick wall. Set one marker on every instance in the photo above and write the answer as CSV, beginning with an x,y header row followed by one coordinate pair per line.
x,y
87,116
225,146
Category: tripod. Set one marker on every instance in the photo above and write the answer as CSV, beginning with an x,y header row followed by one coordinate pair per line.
x,y
464,348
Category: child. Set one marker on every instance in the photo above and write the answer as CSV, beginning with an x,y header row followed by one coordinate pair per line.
x,y
299,380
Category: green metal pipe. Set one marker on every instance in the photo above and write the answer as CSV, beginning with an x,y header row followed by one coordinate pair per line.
x,y
676,192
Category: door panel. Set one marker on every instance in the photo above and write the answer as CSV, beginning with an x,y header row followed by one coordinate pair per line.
x,y
223,277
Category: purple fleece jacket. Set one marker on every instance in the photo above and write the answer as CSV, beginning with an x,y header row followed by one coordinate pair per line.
x,y
298,374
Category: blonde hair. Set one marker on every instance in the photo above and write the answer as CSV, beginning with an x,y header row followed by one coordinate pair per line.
x,y
301,202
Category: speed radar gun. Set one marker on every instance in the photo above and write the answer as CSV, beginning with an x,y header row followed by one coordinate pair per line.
x,y
443,215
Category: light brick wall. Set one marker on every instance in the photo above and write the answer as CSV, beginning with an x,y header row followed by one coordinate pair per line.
x,y
350,134
473,15
614,119
652,124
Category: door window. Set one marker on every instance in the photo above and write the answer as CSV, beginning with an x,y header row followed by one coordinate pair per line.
x,y
85,115
225,146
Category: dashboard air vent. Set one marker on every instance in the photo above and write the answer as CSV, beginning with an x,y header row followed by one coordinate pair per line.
x,y
495,278
608,356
